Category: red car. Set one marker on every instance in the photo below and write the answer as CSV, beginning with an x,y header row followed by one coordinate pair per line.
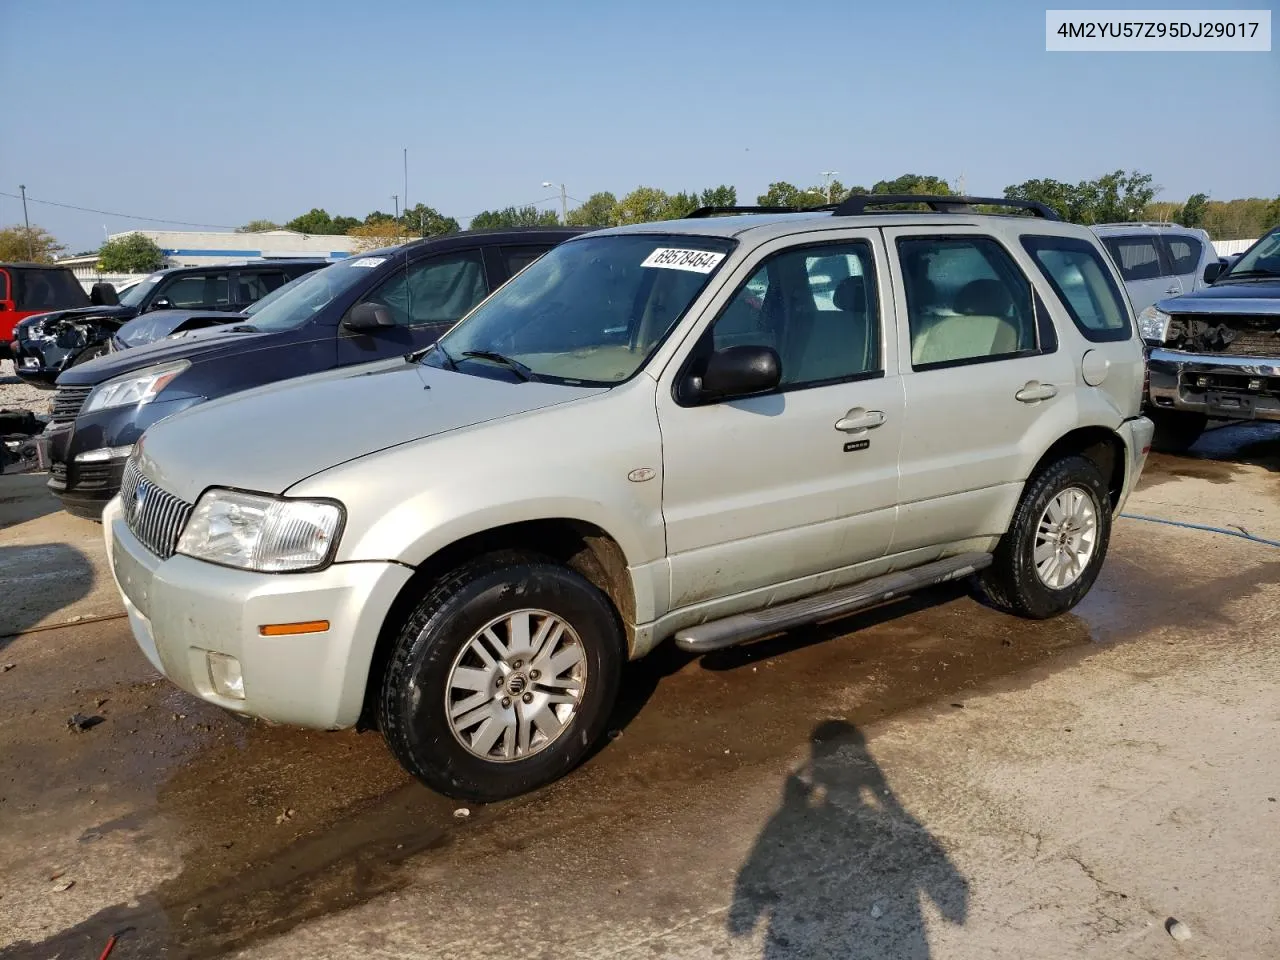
x,y
30,288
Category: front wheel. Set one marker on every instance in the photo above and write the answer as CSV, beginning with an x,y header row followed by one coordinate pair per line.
x,y
1051,555
502,678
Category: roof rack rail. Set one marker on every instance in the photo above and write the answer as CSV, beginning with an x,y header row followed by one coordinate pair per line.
x,y
714,211
856,204
1141,223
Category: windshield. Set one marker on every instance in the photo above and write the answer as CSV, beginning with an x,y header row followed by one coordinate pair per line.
x,y
299,300
1262,257
134,296
590,311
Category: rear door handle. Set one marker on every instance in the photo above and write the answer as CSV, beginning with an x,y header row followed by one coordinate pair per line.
x,y
1033,391
1176,288
858,419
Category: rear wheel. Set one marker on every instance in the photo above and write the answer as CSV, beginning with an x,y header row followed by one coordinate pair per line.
x,y
1056,543
1176,430
502,679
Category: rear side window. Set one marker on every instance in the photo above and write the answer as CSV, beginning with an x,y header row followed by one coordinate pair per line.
x,y
1137,257
1184,253
967,302
251,287
36,289
196,291
1080,278
517,258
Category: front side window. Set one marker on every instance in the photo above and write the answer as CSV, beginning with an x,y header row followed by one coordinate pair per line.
x,y
816,307
435,290
1075,270
590,311
1184,253
1137,257
967,302
195,291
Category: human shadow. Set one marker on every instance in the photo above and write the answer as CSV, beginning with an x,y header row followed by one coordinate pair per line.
x,y
40,580
841,868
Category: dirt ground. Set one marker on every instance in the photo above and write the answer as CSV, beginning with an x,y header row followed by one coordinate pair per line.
x,y
928,779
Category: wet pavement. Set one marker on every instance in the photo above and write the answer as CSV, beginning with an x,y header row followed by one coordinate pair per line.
x,y
205,835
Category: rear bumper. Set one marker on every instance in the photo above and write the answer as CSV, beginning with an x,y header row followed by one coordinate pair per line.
x,y
1137,434
1226,387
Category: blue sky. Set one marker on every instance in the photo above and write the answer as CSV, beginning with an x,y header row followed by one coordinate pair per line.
x,y
222,112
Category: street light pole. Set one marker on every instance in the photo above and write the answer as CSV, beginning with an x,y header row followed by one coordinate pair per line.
x,y
31,250
828,174
564,202
395,198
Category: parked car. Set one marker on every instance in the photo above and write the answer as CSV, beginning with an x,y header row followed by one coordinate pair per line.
x,y
661,431
376,305
1216,352
27,289
48,343
1158,260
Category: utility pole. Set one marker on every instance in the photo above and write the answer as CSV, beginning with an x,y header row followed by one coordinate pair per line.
x,y
31,250
564,202
395,198
406,178
828,175
961,190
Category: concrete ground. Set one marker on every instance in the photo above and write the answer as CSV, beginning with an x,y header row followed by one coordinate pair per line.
x,y
929,779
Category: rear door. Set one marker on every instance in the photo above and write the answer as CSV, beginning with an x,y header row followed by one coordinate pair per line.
x,y
1183,252
980,364
425,299
1144,267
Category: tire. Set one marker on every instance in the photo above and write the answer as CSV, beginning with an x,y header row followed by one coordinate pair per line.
x,y
1012,582
89,353
1176,431
438,637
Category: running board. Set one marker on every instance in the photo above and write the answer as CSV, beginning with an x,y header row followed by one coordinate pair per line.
x,y
742,627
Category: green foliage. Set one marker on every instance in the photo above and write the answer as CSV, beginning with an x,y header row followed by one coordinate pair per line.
x,y
1192,212
641,205
680,205
316,221
258,226
514,217
343,225
1111,198
132,253
423,221
597,211
783,194
1243,219
14,247
721,196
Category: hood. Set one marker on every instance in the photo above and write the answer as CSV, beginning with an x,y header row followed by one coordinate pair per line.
x,y
194,346
84,313
270,438
1243,296
158,324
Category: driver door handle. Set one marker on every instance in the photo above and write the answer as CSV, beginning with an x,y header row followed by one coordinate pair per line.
x,y
1033,391
858,419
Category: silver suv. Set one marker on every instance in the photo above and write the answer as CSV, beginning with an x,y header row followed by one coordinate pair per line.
x,y
1159,260
706,431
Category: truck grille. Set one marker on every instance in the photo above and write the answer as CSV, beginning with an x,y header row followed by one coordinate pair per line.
x,y
155,516
1253,335
68,401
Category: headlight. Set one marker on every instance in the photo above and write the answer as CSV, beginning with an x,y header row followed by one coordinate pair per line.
x,y
139,387
1153,325
257,532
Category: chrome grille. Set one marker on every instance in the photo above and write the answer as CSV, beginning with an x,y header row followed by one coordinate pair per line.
x,y
155,516
68,401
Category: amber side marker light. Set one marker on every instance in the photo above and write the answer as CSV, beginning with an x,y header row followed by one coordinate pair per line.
x,y
291,629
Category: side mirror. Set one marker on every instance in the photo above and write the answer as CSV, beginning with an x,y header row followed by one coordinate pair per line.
x,y
1212,271
161,303
740,371
103,295
368,316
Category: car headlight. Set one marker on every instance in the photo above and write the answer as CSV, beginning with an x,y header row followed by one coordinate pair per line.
x,y
1153,325
258,532
141,386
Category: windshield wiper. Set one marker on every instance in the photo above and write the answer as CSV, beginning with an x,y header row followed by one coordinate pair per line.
x,y
523,372
1248,274
413,356
243,328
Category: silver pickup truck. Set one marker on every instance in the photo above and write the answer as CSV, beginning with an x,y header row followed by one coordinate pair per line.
x,y
1216,352
702,431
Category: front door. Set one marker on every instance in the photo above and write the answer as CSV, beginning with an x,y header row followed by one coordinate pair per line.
x,y
425,298
766,489
980,365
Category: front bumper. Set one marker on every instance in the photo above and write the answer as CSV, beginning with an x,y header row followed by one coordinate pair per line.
x,y
182,609
1226,387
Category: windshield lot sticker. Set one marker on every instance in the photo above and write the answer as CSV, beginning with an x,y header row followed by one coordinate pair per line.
x,y
670,258
369,261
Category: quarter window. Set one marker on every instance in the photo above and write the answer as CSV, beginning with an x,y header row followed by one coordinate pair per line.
x,y
1184,253
815,306
1075,270
1137,257
967,302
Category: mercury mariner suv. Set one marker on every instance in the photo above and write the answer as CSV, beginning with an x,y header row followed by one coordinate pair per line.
x,y
704,431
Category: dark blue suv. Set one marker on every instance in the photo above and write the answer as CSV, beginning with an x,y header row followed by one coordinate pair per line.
x,y
369,307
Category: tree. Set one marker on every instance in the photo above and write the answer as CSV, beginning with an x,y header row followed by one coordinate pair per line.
x,y
783,194
43,248
514,217
1063,198
316,221
423,221
642,205
132,253
343,225
721,196
597,211
377,216
679,205
914,183
1273,214
1192,212
386,232
1239,219
258,226
1117,196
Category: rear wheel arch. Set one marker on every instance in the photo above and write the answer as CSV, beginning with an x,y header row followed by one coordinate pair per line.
x,y
1100,444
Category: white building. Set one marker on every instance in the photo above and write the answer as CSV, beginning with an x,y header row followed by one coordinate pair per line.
x,y
198,248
